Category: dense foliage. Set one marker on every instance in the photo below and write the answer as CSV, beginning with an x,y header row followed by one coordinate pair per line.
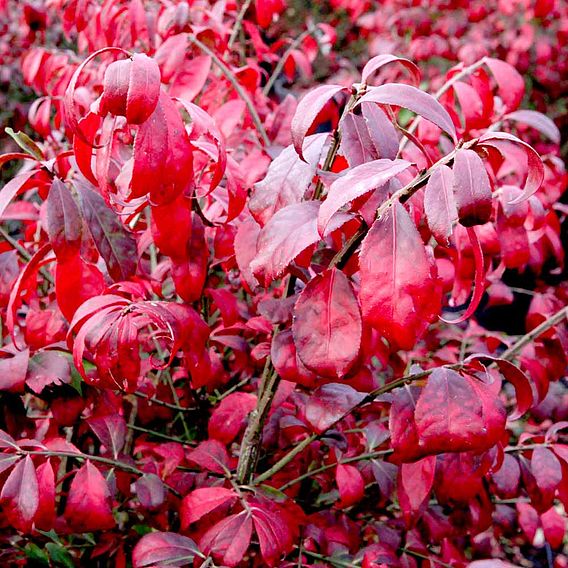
x,y
281,287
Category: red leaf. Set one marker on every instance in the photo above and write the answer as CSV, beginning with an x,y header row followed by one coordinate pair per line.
x,y
351,485
510,82
479,279
327,325
554,526
288,233
131,88
458,414
375,63
286,181
111,431
399,297
45,515
535,167
202,501
357,182
439,203
356,143
229,417
307,111
115,244
20,495
528,520
12,188
411,98
402,425
472,189
163,158
228,540
13,368
47,368
277,527
163,549
329,403
89,504
415,481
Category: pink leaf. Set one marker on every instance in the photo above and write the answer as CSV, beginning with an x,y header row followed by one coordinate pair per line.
x,y
327,325
535,167
510,82
439,203
228,540
20,494
415,481
411,98
12,188
375,63
538,121
202,501
111,431
286,181
288,233
163,549
307,111
471,188
399,297
357,182
329,403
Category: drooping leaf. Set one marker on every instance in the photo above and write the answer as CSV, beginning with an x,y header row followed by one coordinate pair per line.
x,y
150,491
411,98
47,368
288,233
89,504
13,367
535,167
114,243
399,296
307,111
439,203
510,82
45,516
471,188
356,182
327,325
164,549
131,88
538,121
375,63
12,188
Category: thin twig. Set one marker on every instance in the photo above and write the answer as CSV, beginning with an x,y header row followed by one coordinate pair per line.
x,y
236,85
280,65
507,355
238,23
442,90
107,461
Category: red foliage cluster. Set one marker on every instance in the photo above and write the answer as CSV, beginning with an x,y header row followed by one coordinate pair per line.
x,y
244,327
